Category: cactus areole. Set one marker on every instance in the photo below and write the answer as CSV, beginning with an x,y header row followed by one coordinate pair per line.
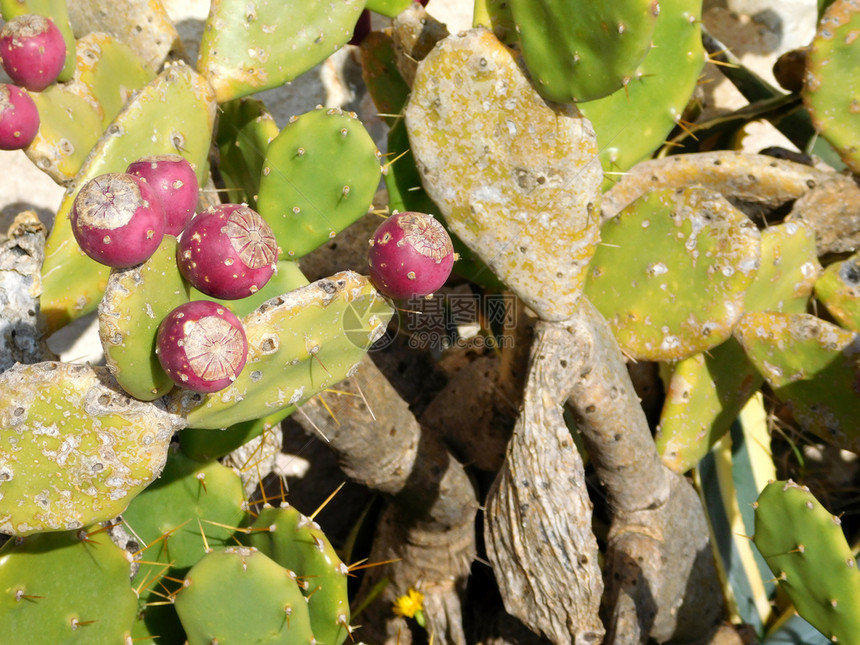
x,y
19,118
410,255
202,346
228,251
174,180
118,220
33,51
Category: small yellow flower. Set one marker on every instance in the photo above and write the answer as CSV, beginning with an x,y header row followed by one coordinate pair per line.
x,y
410,606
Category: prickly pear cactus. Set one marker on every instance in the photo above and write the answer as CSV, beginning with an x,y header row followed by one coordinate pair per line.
x,y
298,344
191,507
74,115
830,92
634,121
74,448
810,364
56,10
838,289
707,391
296,543
241,582
516,179
68,587
672,272
582,50
128,338
182,105
248,47
806,549
302,200
245,129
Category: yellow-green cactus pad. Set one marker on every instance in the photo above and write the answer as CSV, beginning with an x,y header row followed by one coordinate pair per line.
x,y
707,391
173,114
812,365
74,115
298,344
517,179
671,273
831,86
136,301
838,289
251,46
74,448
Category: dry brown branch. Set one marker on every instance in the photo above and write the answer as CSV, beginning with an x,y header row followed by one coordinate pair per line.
x,y
429,527
538,528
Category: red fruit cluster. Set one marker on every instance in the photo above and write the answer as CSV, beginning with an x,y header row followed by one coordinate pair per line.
x,y
32,52
227,251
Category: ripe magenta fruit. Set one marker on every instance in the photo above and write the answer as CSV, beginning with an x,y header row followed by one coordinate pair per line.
x,y
175,182
410,255
32,51
228,251
19,118
118,220
201,345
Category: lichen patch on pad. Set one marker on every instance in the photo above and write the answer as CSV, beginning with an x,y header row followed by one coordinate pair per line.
x,y
517,179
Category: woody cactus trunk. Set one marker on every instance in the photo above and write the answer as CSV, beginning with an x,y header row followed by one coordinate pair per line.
x,y
579,470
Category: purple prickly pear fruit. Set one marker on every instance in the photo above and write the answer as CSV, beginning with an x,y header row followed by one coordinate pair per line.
x,y
19,118
118,220
174,180
32,51
410,255
228,251
201,345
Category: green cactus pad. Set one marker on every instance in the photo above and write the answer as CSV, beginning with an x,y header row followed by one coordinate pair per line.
x,y
812,365
187,497
838,289
634,121
806,549
245,130
516,179
204,445
703,398
70,587
298,344
831,89
174,113
497,16
135,302
56,10
304,202
671,272
248,47
287,278
74,115
237,596
707,391
297,543
581,50
384,82
74,448
388,8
